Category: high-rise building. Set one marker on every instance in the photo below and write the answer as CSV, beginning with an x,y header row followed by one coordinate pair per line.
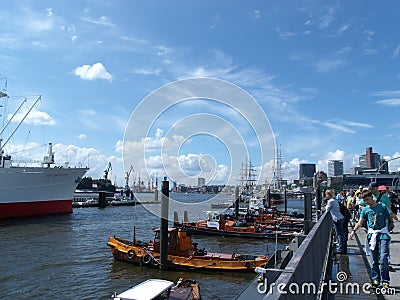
x,y
368,157
335,168
362,162
369,160
306,171
201,181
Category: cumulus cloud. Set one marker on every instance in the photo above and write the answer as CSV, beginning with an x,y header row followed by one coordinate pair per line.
x,y
35,117
96,71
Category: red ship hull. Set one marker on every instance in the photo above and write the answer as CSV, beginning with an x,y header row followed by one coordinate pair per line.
x,y
27,209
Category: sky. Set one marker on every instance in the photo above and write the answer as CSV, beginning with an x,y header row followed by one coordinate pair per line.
x,y
121,82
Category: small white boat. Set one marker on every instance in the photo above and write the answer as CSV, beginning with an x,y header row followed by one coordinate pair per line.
x,y
161,289
221,205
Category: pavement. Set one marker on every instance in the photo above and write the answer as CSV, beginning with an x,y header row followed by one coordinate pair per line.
x,y
351,271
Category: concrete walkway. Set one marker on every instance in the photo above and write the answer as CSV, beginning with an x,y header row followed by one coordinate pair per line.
x,y
356,266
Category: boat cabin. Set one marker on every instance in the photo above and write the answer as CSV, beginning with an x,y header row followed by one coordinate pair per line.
x,y
179,242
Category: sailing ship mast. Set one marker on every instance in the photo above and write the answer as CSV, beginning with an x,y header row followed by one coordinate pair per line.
x,y
276,181
247,174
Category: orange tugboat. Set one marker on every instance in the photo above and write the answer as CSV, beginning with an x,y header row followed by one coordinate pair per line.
x,y
265,226
182,254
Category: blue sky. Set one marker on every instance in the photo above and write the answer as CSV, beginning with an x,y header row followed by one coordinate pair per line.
x,y
325,73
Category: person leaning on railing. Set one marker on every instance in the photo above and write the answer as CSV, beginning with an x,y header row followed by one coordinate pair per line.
x,y
379,218
332,206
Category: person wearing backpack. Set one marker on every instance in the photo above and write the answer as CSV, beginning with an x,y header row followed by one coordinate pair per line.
x,y
332,206
378,218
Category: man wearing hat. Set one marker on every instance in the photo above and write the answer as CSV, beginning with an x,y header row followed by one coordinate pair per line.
x,y
380,194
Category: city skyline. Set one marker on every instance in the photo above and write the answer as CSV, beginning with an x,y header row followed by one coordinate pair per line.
x,y
322,77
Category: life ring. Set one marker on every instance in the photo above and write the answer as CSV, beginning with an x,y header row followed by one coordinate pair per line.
x,y
146,259
131,254
154,262
247,265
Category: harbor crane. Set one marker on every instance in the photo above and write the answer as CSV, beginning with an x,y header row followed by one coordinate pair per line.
x,y
127,174
106,171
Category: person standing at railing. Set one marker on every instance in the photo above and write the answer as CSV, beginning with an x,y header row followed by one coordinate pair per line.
x,y
332,206
378,217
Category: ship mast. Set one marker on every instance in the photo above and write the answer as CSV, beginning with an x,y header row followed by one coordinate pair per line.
x,y
276,181
247,174
23,119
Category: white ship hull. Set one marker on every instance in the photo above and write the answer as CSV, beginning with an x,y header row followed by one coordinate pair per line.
x,y
37,191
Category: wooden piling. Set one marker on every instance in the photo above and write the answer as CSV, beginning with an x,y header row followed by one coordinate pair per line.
x,y
164,225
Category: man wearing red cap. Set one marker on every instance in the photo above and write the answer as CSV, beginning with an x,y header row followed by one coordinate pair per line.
x,y
374,188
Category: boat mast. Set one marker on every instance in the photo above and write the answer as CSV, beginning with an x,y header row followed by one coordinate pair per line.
x,y
19,124
9,121
279,167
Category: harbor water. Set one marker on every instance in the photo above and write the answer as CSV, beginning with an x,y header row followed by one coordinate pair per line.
x,y
66,256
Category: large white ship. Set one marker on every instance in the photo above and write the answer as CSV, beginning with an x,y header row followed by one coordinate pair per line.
x,y
35,190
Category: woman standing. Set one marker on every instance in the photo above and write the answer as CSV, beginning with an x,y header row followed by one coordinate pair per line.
x,y
332,206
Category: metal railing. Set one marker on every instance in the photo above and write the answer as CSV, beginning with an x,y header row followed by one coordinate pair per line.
x,y
304,275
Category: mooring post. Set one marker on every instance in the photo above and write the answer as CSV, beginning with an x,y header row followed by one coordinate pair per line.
x,y
285,201
164,224
185,216
307,212
318,200
102,202
156,195
237,202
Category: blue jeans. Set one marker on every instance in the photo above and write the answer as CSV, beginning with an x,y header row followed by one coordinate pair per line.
x,y
380,255
341,235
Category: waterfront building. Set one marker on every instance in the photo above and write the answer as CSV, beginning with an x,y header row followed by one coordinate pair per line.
x,y
335,168
306,171
370,160
201,181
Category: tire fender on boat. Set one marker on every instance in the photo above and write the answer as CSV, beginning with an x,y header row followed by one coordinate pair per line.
x,y
247,265
146,259
131,254
154,262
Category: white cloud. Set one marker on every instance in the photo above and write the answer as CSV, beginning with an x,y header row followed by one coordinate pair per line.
x,y
336,126
216,21
35,117
326,19
328,65
103,20
96,71
89,112
396,52
155,72
390,102
82,136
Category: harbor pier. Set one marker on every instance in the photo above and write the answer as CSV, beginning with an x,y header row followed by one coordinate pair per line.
x,y
315,271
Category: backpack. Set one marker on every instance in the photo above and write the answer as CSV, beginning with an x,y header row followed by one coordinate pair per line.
x,y
345,212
